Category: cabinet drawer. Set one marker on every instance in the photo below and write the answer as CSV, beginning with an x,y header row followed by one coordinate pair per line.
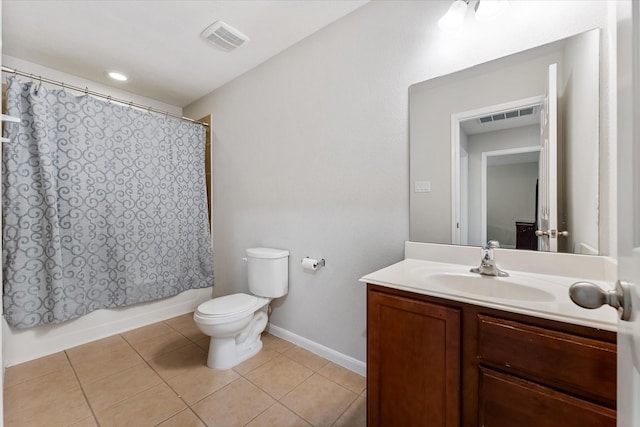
x,y
507,401
579,365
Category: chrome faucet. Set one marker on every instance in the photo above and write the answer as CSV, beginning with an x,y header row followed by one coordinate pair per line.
x,y
488,265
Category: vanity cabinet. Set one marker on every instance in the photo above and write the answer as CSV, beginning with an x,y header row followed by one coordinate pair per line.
x,y
437,362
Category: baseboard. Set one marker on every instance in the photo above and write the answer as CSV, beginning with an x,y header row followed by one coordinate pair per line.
x,y
338,358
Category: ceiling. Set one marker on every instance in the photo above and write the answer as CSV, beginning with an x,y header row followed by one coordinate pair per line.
x,y
157,43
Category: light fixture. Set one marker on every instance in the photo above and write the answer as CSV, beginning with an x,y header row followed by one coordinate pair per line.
x,y
487,9
454,18
116,75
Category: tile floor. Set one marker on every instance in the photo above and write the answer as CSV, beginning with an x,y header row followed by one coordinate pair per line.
x,y
157,376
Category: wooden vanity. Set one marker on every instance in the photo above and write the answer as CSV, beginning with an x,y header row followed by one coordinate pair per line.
x,y
435,362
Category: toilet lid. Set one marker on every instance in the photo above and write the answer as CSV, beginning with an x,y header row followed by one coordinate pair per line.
x,y
229,304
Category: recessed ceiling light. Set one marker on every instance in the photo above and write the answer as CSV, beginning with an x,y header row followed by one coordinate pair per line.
x,y
115,75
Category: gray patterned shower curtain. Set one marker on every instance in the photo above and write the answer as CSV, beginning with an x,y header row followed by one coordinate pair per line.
x,y
103,206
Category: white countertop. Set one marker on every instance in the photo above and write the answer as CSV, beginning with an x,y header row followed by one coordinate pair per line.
x,y
426,277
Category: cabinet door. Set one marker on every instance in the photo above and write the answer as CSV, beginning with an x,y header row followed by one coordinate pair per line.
x,y
507,401
413,363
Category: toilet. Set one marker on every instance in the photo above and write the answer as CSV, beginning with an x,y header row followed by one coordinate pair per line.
x,y
234,322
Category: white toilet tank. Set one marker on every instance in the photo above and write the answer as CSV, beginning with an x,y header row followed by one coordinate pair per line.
x,y
268,272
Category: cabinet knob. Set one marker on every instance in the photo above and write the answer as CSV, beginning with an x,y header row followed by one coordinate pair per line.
x,y
590,295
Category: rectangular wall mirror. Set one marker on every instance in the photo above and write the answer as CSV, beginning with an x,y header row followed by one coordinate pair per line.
x,y
508,151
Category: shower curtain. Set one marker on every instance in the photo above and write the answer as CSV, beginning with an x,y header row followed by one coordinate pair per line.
x,y
103,206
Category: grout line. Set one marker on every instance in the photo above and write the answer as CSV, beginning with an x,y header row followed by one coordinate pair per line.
x,y
330,380
270,406
345,411
290,409
165,382
197,416
220,389
86,399
188,408
357,393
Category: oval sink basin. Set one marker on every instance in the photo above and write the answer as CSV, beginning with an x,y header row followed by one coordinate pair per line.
x,y
494,287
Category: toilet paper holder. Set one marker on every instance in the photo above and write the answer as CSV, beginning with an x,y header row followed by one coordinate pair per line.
x,y
311,263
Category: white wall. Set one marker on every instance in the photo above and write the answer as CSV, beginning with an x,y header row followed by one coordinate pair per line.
x,y
311,148
20,345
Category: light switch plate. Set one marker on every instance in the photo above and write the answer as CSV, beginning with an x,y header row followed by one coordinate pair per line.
x,y
422,186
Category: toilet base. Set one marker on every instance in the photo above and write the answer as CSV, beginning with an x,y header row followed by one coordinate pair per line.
x,y
216,361
227,352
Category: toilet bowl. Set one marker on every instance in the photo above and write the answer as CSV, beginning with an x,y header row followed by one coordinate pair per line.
x,y
235,322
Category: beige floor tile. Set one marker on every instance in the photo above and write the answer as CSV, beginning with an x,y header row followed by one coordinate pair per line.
x,y
355,415
102,358
186,326
52,399
185,418
123,390
253,362
271,342
148,408
96,348
60,380
87,422
319,400
115,388
278,415
279,376
346,378
201,381
179,362
159,344
235,405
35,368
203,343
306,358
144,333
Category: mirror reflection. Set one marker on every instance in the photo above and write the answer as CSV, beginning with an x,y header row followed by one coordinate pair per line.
x,y
498,174
508,151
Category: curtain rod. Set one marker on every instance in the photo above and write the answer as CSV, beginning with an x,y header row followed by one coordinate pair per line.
x,y
99,95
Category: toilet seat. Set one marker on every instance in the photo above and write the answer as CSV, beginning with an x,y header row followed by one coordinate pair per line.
x,y
229,308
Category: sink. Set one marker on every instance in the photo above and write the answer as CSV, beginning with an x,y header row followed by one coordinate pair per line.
x,y
505,288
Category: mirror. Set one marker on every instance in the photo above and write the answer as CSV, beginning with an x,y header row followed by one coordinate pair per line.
x,y
508,151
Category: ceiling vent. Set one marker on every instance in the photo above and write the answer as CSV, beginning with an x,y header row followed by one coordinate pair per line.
x,y
224,36
510,114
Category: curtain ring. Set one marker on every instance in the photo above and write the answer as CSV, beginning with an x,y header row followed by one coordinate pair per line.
x,y
109,99
86,91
